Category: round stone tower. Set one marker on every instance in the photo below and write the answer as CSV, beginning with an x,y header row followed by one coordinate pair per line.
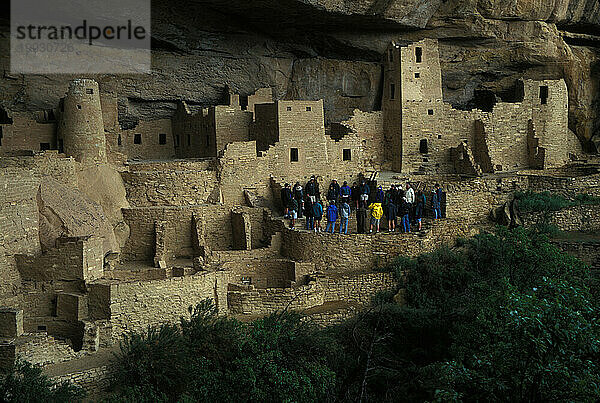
x,y
81,127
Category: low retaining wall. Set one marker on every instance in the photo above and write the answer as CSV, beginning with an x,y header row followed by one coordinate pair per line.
x,y
357,289
132,307
584,218
361,252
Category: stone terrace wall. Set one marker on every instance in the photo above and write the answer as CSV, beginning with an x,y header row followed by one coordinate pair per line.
x,y
96,381
359,252
564,185
170,184
179,220
247,300
356,289
577,218
132,307
42,349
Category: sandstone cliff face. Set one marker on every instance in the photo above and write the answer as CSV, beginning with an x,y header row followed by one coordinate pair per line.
x,y
331,49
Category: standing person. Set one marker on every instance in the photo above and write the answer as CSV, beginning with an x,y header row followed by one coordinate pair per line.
x,y
380,195
345,193
361,220
286,195
392,211
439,193
293,212
404,211
364,193
332,216
410,199
299,196
376,213
333,193
312,189
308,212
318,215
421,200
435,204
344,216
355,195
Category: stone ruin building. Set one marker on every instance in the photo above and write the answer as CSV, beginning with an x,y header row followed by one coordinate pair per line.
x,y
106,230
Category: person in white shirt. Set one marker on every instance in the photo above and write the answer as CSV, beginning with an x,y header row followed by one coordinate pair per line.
x,y
410,199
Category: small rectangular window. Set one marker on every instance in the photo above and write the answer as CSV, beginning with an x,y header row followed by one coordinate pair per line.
x,y
289,108
419,54
89,91
439,136
137,138
42,328
308,109
423,146
293,154
430,111
544,94
44,146
162,139
417,75
347,154
208,141
392,91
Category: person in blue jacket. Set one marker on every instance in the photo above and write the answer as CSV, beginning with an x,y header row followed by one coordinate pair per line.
x,y
318,215
345,193
332,216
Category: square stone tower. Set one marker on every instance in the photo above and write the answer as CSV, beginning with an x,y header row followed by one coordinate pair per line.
x,y
413,108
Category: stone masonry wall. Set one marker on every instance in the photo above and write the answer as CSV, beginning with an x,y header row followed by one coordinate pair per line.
x,y
19,227
359,252
584,218
170,185
25,133
73,259
134,306
368,126
179,239
357,289
149,134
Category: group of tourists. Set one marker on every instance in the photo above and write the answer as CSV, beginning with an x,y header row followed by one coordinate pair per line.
x,y
396,203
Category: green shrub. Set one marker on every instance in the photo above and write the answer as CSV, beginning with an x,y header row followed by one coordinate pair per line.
x,y
545,201
26,383
539,202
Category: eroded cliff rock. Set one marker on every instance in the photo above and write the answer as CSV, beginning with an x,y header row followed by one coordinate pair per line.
x,y
330,49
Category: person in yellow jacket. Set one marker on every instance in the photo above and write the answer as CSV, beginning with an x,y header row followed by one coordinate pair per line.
x,y
376,213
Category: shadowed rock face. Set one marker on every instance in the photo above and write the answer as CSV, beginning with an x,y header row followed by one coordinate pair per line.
x,y
330,49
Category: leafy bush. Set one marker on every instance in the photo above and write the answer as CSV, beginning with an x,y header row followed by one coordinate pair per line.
x,y
26,383
506,316
540,202
214,358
